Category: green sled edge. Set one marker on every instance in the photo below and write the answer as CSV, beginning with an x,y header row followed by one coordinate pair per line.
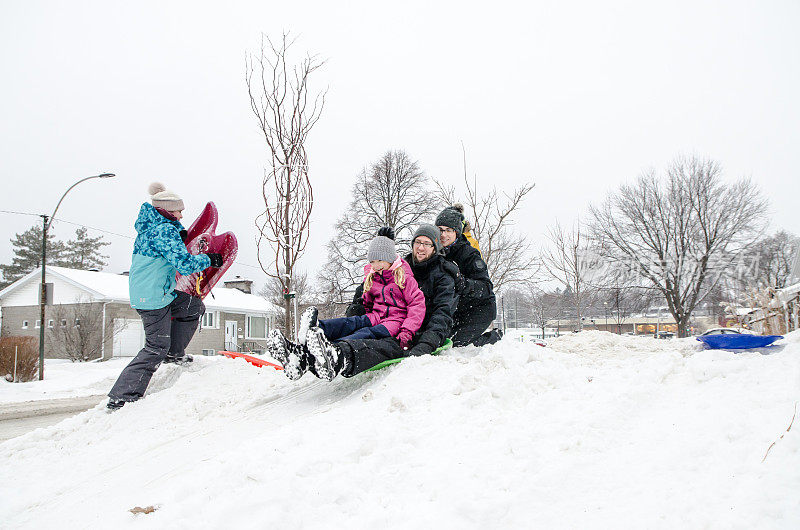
x,y
446,346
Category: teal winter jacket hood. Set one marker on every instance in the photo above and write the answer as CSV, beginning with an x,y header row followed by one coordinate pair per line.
x,y
158,253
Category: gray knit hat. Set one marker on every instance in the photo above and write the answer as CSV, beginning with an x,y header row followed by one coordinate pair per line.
x,y
432,233
382,248
453,217
164,198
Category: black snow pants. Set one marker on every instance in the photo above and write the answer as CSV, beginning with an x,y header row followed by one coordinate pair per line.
x,y
167,333
363,354
469,325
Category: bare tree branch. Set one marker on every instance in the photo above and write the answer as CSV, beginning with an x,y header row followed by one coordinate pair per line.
x,y
507,254
394,192
569,260
279,99
78,329
681,231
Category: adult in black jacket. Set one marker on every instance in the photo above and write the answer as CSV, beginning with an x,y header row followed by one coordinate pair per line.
x,y
477,306
436,278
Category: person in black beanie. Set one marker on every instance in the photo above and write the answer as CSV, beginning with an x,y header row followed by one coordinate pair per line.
x,y
477,306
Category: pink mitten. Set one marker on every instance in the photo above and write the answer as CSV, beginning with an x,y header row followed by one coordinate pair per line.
x,y
404,337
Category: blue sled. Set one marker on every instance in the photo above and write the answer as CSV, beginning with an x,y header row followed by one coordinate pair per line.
x,y
738,342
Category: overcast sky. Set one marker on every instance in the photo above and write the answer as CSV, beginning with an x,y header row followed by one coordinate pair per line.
x,y
578,97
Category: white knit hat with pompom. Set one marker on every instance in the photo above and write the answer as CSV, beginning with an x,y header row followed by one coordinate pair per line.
x,y
164,198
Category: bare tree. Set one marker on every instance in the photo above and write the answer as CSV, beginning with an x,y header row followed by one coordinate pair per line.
x,y
393,192
507,254
78,330
286,113
615,292
569,259
544,307
681,231
328,302
273,292
516,302
763,270
621,302
771,260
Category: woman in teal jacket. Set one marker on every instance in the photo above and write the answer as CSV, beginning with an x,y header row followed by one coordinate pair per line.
x,y
169,317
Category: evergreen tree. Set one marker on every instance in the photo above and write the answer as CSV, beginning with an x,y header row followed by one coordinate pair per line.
x,y
28,254
84,252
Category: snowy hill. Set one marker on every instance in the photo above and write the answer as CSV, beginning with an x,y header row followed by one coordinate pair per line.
x,y
594,431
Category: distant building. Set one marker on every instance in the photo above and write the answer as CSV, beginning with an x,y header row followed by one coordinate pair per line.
x,y
235,319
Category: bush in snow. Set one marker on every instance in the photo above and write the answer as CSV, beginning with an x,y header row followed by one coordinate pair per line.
x,y
27,358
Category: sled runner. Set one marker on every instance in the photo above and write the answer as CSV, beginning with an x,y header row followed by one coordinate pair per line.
x,y
201,238
446,346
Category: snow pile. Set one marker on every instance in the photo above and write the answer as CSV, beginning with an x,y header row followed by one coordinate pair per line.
x,y
65,379
592,431
604,345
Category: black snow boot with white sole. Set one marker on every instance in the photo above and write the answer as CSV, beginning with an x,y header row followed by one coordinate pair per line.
x,y
114,404
184,360
291,356
308,320
328,359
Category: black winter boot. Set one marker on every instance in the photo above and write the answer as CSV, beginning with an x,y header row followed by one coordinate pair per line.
x,y
114,404
308,320
291,356
182,361
328,359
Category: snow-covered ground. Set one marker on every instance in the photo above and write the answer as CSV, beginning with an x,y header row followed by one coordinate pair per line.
x,y
593,431
64,379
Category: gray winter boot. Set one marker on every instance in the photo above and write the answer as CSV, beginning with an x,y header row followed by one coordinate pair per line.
x,y
291,356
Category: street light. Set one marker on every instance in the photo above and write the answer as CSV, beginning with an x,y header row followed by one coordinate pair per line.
x,y
46,222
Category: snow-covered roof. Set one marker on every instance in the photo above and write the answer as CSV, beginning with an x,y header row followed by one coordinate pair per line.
x,y
112,287
224,299
108,287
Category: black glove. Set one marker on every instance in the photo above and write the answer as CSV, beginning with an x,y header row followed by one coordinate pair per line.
x,y
184,234
386,231
355,309
216,259
461,284
422,348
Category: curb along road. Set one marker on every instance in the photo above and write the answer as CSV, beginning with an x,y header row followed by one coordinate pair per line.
x,y
19,418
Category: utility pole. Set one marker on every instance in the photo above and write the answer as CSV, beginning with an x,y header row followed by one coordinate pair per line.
x,y
46,222
42,297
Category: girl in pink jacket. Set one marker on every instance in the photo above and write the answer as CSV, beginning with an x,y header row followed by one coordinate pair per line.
x,y
394,303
